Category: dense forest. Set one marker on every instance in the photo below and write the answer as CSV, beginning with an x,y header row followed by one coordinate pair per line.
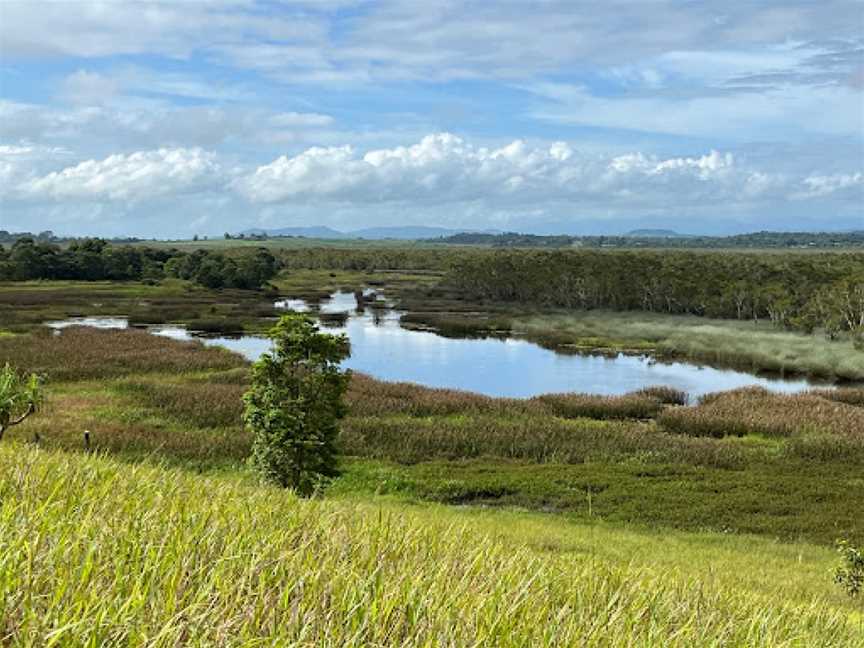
x,y
757,240
807,292
97,260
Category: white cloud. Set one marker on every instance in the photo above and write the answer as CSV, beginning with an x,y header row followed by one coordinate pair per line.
x,y
419,39
85,87
824,185
131,125
736,115
441,179
443,168
130,178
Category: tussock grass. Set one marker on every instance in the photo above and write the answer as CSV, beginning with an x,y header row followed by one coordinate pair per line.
x,y
101,553
754,410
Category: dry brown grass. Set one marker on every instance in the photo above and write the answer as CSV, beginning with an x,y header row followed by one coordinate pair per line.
x,y
755,410
192,403
369,397
848,395
80,353
629,406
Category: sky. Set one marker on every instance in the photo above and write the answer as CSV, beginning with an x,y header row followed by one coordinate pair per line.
x,y
170,119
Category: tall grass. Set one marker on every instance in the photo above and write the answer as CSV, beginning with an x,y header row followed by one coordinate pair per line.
x,y
754,410
540,439
100,553
80,353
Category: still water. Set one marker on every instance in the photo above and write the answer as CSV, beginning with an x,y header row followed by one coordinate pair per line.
x,y
509,367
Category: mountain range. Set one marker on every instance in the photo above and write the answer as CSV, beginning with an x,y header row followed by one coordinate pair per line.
x,y
371,233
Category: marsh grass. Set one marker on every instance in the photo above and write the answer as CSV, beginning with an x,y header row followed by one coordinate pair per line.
x,y
101,553
540,440
80,353
181,406
754,410
742,345
628,406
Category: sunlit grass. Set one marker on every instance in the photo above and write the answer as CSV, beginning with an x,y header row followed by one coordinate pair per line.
x,y
96,552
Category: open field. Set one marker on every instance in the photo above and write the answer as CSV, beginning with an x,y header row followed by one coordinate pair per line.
x,y
101,552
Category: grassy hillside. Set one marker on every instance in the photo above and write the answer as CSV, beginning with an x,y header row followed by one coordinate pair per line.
x,y
99,552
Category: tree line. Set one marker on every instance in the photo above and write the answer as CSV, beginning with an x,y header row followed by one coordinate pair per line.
x,y
805,292
755,240
96,260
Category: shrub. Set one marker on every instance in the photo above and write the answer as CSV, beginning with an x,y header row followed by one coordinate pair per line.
x,y
850,574
19,397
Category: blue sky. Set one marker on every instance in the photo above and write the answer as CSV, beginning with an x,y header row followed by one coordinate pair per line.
x,y
197,116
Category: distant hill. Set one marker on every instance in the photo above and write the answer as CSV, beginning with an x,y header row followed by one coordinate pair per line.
x,y
406,233
305,232
654,233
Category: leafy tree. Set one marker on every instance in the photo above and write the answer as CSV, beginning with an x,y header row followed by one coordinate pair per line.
x,y
295,403
19,397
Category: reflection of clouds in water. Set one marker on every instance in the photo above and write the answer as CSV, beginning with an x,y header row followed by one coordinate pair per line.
x,y
93,322
509,367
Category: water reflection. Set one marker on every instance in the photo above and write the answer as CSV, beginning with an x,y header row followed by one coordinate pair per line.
x,y
508,367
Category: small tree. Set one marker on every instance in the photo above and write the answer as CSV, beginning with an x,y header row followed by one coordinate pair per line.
x,y
295,402
19,397
850,574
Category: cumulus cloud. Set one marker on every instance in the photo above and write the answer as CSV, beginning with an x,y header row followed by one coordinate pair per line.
x,y
130,178
823,185
442,178
445,168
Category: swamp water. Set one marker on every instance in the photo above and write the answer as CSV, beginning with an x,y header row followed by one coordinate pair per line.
x,y
381,348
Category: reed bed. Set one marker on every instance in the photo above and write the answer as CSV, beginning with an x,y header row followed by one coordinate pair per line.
x,y
754,410
629,406
370,397
97,552
196,404
848,395
80,353
541,440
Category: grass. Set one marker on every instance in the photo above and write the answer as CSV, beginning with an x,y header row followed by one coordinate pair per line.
x,y
87,353
97,552
755,410
24,305
744,345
